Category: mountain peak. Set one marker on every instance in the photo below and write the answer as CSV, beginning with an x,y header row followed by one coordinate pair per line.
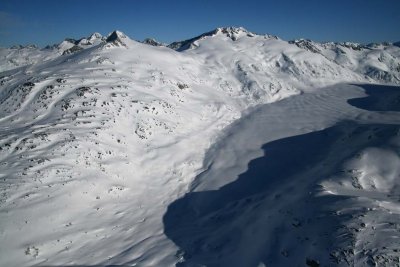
x,y
306,44
151,41
231,29
234,32
116,38
95,35
352,45
115,35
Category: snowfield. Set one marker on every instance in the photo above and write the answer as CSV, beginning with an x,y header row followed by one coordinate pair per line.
x,y
227,149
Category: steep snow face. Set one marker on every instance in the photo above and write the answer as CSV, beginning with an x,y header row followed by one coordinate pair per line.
x,y
97,143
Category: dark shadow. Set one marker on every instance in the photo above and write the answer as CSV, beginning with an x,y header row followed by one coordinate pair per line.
x,y
270,213
205,225
380,98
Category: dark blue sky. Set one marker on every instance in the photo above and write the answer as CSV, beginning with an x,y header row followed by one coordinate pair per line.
x,y
45,22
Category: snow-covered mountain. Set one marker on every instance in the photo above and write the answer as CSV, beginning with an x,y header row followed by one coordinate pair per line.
x,y
227,149
18,56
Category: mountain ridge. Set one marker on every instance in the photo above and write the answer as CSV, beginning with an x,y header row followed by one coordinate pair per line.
x,y
106,147
334,52
227,30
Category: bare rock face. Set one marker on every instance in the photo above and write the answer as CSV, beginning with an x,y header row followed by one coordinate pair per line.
x,y
72,50
153,42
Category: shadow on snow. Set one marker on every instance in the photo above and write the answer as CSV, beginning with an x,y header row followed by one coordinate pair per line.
x,y
272,212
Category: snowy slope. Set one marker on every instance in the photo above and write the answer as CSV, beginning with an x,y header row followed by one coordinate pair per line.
x,y
377,61
304,60
15,57
101,144
18,56
310,179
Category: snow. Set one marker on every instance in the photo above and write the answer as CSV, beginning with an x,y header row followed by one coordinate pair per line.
x,y
279,186
237,149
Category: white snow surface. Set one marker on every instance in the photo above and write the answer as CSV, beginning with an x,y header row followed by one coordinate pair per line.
x,y
123,153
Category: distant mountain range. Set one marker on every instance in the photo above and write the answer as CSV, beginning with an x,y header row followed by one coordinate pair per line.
x,y
358,57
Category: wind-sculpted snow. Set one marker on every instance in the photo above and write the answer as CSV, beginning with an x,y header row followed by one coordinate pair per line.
x,y
328,197
272,213
87,138
99,145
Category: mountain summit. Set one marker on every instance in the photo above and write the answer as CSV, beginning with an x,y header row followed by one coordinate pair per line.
x,y
117,38
234,32
152,42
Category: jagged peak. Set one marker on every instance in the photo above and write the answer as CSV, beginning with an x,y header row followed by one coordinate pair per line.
x,y
116,38
306,44
232,32
92,39
95,35
350,43
315,46
353,46
66,44
116,35
301,40
152,41
74,49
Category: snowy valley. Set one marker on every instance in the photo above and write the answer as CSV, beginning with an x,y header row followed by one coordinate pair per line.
x,y
228,149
